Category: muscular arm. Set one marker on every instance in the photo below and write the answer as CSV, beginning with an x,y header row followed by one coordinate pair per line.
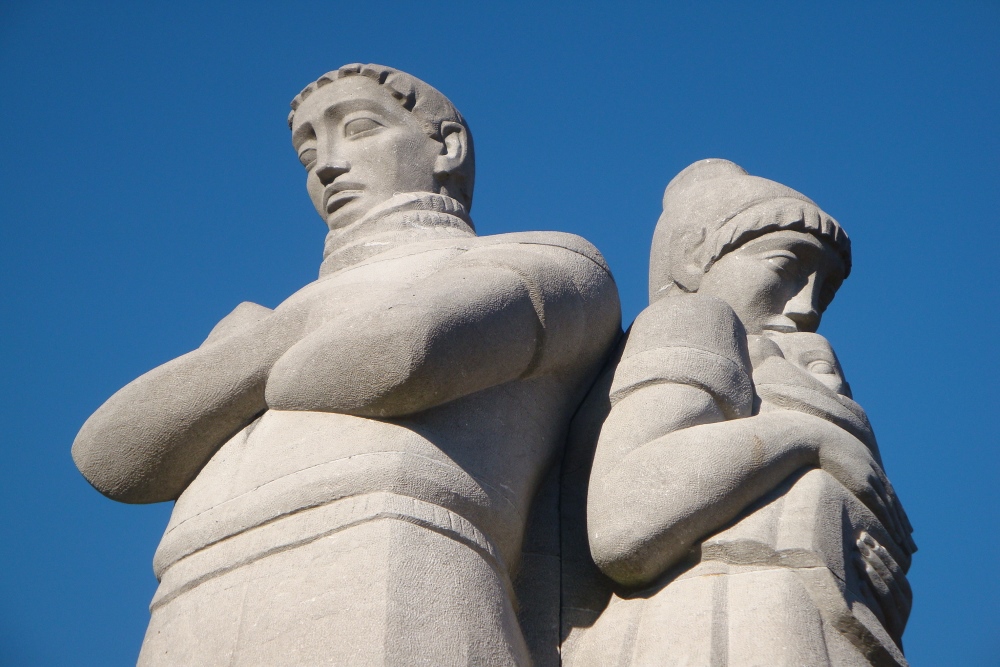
x,y
149,440
481,322
495,315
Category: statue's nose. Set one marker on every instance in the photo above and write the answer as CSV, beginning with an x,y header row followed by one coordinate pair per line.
x,y
330,170
805,321
801,308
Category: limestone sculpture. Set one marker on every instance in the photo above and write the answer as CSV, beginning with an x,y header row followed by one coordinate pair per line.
x,y
737,500
352,470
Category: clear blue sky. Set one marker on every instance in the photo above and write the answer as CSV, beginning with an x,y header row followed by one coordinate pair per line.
x,y
149,186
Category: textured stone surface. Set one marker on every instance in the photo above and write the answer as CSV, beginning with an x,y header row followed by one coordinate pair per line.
x,y
737,504
353,470
445,451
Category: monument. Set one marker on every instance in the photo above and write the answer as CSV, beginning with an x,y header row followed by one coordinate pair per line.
x,y
444,451
737,497
352,471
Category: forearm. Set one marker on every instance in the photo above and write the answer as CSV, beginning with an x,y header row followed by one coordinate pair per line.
x,y
149,440
649,508
497,313
444,339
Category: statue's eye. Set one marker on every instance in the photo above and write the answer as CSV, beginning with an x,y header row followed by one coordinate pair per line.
x,y
308,158
784,262
821,367
360,126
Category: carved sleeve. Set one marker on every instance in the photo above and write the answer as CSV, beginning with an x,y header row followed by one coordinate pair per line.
x,y
494,315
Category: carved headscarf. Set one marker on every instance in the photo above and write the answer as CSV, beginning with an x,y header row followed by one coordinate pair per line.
x,y
715,206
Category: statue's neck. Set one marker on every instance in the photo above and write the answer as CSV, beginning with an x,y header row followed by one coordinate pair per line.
x,y
404,218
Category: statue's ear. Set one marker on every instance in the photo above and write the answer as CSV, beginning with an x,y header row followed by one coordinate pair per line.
x,y
455,148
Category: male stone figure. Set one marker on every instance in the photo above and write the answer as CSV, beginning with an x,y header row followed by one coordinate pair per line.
x,y
737,497
353,469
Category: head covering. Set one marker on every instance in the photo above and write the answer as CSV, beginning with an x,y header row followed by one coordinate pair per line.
x,y
714,206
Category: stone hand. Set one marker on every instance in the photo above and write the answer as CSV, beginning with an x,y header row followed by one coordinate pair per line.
x,y
853,465
887,583
149,440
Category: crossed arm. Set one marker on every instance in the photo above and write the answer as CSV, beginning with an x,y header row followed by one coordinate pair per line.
x,y
149,440
672,467
472,325
650,501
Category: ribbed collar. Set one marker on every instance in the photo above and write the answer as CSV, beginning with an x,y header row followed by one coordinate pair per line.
x,y
404,218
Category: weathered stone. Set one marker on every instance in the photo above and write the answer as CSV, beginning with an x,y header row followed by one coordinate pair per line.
x,y
353,470
378,472
737,499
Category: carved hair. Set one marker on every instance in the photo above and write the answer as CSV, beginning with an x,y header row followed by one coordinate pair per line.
x,y
714,206
424,101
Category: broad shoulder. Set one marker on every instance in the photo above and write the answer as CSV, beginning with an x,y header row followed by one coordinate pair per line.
x,y
691,341
690,321
556,243
689,316
548,247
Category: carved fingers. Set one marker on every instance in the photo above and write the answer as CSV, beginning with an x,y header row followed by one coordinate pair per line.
x,y
904,528
244,316
853,465
887,583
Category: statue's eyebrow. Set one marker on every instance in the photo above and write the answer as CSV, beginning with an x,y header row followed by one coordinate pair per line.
x,y
302,133
337,110
344,107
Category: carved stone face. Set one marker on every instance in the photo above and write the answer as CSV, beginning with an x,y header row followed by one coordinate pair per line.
x,y
782,281
360,147
814,354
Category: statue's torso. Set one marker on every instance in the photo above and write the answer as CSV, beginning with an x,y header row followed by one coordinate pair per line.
x,y
469,468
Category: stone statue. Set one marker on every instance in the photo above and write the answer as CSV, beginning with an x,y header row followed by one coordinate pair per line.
x,y
737,500
353,470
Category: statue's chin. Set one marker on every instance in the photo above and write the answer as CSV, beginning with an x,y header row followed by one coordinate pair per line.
x,y
345,210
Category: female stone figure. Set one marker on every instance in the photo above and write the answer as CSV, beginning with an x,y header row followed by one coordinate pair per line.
x,y
737,496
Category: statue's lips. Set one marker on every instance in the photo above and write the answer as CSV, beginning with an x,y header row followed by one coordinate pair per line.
x,y
340,194
780,325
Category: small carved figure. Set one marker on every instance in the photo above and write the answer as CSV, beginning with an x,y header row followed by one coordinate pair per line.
x,y
808,351
353,469
737,497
